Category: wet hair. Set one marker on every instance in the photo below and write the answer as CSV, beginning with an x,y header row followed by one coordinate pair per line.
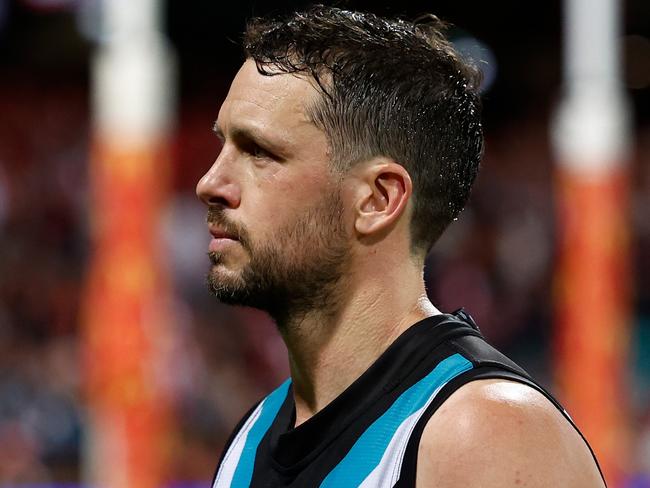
x,y
389,88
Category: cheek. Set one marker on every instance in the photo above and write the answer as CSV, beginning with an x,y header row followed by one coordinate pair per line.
x,y
277,200
288,191
272,206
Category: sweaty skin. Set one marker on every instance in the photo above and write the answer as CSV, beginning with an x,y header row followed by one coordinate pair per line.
x,y
495,433
382,292
275,163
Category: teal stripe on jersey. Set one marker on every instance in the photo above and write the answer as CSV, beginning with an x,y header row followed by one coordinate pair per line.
x,y
270,408
367,452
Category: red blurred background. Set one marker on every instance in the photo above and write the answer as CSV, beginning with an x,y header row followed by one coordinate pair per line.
x,y
496,261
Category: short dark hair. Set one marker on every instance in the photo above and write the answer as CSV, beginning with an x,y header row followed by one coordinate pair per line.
x,y
389,88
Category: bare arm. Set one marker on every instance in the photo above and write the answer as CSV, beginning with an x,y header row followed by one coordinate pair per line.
x,y
497,433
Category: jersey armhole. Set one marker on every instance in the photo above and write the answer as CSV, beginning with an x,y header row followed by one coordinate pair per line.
x,y
409,466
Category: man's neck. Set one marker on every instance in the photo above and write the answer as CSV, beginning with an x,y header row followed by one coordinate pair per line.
x,y
329,350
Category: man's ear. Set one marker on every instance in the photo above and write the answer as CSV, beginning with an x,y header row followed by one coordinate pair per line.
x,y
383,196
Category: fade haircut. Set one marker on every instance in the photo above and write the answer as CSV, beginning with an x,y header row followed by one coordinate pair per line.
x,y
389,88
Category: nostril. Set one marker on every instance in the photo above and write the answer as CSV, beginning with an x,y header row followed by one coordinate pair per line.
x,y
217,201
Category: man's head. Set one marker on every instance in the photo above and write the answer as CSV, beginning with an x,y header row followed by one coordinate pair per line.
x,y
389,88
341,131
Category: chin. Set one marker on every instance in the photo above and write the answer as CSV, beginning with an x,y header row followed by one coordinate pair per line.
x,y
222,277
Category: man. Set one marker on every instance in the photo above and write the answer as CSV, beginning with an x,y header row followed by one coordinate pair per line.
x,y
349,143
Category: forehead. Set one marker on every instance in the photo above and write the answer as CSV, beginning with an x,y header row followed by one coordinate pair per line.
x,y
278,102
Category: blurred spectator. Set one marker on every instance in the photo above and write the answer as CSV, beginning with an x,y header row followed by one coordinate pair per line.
x,y
496,261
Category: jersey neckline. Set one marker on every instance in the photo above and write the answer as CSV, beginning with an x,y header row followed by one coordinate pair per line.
x,y
293,447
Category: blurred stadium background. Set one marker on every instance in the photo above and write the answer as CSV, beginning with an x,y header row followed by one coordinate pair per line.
x,y
203,364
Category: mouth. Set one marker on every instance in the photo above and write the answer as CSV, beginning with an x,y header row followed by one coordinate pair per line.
x,y
219,233
221,239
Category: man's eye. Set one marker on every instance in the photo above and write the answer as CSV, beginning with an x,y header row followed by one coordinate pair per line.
x,y
259,153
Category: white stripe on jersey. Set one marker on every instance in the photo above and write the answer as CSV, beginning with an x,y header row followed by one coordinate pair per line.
x,y
231,459
387,472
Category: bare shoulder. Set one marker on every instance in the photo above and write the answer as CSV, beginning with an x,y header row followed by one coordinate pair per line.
x,y
499,433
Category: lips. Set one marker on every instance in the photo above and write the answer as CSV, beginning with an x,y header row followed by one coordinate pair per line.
x,y
221,239
219,233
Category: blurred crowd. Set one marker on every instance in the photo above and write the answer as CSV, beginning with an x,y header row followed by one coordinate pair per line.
x,y
496,261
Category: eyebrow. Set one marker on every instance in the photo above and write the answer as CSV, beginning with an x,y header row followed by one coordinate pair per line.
x,y
249,134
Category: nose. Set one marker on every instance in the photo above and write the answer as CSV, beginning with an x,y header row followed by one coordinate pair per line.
x,y
218,187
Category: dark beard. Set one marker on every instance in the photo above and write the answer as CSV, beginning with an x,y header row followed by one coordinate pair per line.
x,y
297,273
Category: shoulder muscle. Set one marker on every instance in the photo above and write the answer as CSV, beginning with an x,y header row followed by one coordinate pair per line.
x,y
498,433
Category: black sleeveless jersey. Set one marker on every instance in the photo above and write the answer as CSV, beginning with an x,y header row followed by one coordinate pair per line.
x,y
369,435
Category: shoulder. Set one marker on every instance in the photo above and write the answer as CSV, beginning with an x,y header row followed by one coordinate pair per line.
x,y
496,433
